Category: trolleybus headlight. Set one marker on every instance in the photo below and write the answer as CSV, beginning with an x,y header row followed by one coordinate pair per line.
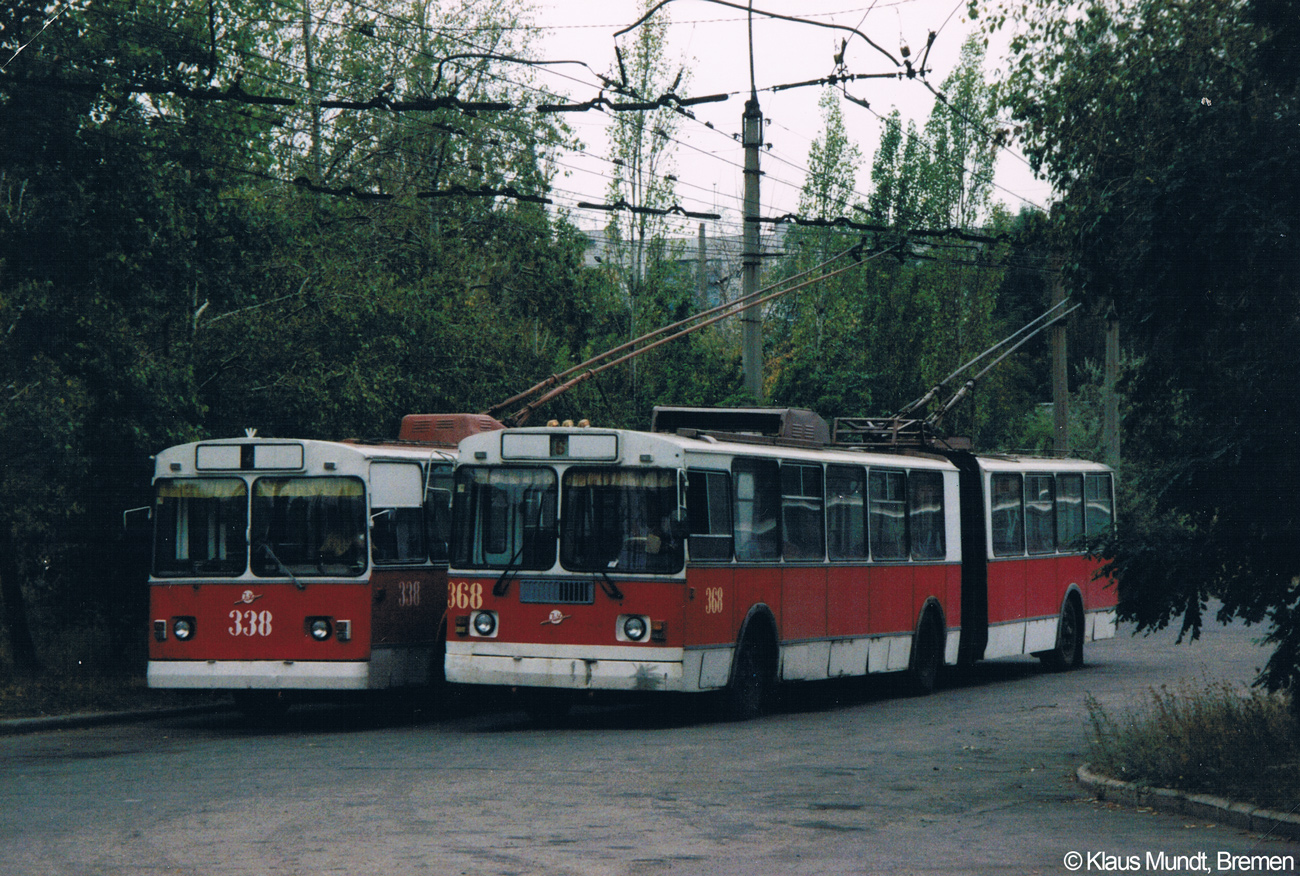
x,y
485,623
634,627
183,628
319,628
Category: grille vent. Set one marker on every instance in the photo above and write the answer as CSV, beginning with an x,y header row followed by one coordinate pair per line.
x,y
557,592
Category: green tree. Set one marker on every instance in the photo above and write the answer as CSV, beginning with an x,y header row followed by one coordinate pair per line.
x,y
112,225
962,149
641,151
1168,128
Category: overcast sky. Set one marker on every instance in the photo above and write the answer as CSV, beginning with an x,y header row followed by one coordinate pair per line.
x,y
712,41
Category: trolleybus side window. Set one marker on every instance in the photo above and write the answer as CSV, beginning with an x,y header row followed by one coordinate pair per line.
x,y
437,511
887,514
846,517
308,526
925,515
1040,513
199,527
802,517
1008,516
757,485
504,518
620,519
1100,503
708,507
1069,511
396,514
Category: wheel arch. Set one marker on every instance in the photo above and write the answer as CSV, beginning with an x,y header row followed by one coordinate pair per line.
x,y
759,627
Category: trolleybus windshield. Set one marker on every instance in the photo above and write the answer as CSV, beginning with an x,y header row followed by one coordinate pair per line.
x,y
504,518
200,527
308,526
619,519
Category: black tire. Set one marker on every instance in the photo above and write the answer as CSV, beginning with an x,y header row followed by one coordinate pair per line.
x,y
927,657
1068,653
746,695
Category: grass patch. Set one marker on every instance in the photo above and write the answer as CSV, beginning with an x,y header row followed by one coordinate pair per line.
x,y
45,695
1216,738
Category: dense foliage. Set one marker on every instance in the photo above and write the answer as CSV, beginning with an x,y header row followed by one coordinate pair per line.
x,y
1169,128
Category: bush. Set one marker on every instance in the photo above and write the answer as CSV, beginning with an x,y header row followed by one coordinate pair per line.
x,y
1219,738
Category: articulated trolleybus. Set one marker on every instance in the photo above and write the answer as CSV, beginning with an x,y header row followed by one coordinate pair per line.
x,y
728,550
285,567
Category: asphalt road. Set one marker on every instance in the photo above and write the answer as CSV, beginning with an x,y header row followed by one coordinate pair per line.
x,y
844,778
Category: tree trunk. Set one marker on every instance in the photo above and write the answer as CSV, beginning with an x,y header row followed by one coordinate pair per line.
x,y
21,645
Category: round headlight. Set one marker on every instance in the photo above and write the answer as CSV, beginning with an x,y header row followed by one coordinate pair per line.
x,y
182,628
485,623
634,628
320,629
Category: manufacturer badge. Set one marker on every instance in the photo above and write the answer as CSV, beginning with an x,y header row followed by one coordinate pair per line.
x,y
248,598
556,617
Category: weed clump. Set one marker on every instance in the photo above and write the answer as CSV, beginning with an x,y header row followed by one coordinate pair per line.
x,y
1216,738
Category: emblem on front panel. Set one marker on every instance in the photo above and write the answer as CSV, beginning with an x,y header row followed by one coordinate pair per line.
x,y
556,617
247,598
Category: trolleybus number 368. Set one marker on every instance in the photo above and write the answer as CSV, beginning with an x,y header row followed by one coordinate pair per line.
x,y
461,594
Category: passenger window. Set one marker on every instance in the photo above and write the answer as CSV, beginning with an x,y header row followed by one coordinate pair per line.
x,y
846,520
887,515
1100,503
925,512
1040,513
802,519
397,528
757,495
1008,517
1069,511
708,508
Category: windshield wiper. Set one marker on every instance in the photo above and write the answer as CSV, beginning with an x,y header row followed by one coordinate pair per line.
x,y
611,589
283,568
503,583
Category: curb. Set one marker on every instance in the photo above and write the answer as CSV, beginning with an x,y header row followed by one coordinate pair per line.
x,y
15,726
1244,816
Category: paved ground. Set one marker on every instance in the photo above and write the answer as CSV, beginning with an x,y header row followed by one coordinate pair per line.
x,y
846,778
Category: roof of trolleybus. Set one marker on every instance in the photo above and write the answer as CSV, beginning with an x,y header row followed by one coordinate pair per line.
x,y
589,445
257,456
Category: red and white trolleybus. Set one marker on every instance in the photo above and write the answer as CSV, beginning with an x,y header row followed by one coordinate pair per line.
x,y
729,550
282,567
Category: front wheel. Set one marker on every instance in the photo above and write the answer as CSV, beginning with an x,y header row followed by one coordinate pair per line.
x,y
746,695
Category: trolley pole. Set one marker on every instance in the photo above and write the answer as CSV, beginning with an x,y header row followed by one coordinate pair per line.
x,y
751,349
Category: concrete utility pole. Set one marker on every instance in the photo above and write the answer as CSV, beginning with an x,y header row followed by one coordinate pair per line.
x,y
1110,416
1060,377
751,320
702,272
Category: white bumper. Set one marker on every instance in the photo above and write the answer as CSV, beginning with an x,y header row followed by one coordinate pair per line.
x,y
570,667
258,675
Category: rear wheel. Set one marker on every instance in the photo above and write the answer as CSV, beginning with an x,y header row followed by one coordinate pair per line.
x,y
752,678
1068,653
927,656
